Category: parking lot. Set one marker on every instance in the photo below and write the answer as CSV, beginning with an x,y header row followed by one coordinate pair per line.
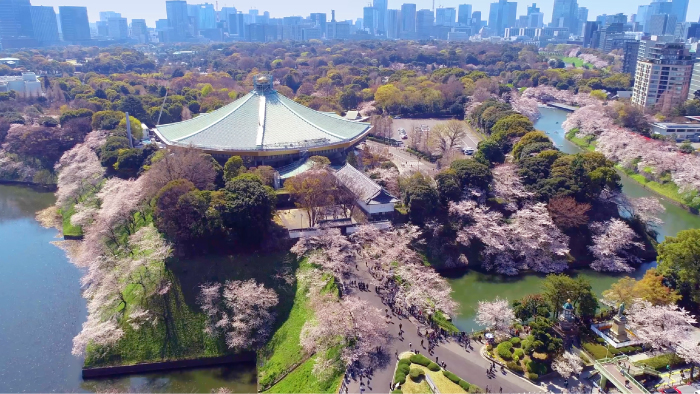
x,y
471,140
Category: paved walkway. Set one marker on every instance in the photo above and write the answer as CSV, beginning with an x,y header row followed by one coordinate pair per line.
x,y
466,363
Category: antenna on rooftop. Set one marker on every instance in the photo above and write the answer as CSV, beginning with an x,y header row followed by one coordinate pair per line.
x,y
433,5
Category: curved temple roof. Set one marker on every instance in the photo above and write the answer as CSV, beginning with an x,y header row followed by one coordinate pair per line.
x,y
261,120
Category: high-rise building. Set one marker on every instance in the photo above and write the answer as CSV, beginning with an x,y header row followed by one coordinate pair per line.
x,y
178,21
476,19
656,8
679,9
206,16
381,6
74,24
102,29
370,21
694,81
118,28
629,61
445,16
105,16
139,30
224,15
236,25
15,19
590,30
565,14
662,78
464,15
408,20
581,20
425,20
393,24
319,20
44,25
502,15
662,24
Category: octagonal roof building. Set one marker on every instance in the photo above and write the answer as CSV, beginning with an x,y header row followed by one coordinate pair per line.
x,y
266,128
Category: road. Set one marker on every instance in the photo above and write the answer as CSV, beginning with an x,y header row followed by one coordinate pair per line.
x,y
466,363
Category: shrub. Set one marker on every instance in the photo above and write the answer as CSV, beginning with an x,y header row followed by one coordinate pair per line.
x,y
475,389
533,376
402,370
514,366
504,350
433,367
47,121
536,367
464,385
516,358
515,341
596,350
518,353
416,373
397,391
449,375
420,360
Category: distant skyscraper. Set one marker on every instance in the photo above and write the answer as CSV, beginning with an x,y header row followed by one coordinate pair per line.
x,y
445,16
565,14
629,62
589,32
381,6
370,22
425,19
105,16
206,16
177,20
581,20
393,24
139,30
319,20
533,9
15,19
680,9
464,15
501,16
118,28
44,25
74,24
476,19
662,24
408,18
656,8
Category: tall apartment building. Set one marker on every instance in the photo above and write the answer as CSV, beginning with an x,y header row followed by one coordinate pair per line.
x,y
44,25
502,15
408,20
464,15
694,82
178,21
74,24
629,61
139,30
662,77
425,20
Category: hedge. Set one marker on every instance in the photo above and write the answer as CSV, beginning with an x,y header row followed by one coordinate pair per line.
x,y
416,373
515,341
420,360
532,376
433,367
504,350
513,366
457,380
659,363
463,384
536,367
403,369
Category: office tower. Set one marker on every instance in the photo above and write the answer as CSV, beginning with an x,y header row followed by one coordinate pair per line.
x,y
476,19
589,31
501,16
617,18
206,16
139,30
162,24
118,28
319,20
425,20
533,9
663,75
369,20
381,6
15,19
694,81
565,14
102,29
236,25
445,16
656,8
581,20
662,24
105,16
44,25
393,24
74,24
408,18
679,9
641,18
464,15
224,14
178,21
629,61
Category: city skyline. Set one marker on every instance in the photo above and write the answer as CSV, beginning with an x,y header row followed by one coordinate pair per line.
x,y
153,10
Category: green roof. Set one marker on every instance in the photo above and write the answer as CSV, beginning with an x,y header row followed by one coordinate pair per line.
x,y
262,120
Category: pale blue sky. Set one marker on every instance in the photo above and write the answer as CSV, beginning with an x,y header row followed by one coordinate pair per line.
x,y
155,9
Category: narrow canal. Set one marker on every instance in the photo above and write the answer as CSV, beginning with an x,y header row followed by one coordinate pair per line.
x,y
41,310
473,286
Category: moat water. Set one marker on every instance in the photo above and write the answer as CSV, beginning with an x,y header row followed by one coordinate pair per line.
x,y
41,308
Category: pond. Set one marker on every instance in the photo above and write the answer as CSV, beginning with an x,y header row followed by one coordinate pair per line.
x,y
41,310
473,286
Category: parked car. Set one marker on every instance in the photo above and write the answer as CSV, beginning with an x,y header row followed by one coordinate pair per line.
x,y
468,151
669,390
424,127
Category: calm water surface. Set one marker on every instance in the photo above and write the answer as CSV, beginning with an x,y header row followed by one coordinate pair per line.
x,y
474,286
41,310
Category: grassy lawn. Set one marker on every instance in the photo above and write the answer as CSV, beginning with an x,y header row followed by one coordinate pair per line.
x,y
582,143
576,62
302,380
69,229
421,387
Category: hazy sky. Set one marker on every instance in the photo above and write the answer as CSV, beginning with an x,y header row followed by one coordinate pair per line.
x,y
155,9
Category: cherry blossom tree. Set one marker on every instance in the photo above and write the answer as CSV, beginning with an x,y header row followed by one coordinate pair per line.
x,y
507,184
242,310
646,209
613,241
663,327
382,248
526,105
424,288
79,172
329,249
351,324
567,364
496,315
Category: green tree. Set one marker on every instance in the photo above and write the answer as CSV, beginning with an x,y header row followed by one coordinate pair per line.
x,y
387,96
250,206
560,288
419,196
679,260
512,122
166,210
530,306
471,173
233,168
529,138
133,106
448,186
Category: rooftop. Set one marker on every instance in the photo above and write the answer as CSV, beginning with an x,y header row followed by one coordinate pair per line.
x,y
366,190
262,120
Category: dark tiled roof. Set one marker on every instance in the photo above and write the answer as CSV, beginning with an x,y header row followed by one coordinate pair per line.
x,y
364,188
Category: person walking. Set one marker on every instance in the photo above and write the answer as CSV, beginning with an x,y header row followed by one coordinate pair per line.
x,y
410,346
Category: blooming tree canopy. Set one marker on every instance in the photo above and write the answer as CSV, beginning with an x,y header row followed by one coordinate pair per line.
x,y
567,364
661,326
612,244
496,315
